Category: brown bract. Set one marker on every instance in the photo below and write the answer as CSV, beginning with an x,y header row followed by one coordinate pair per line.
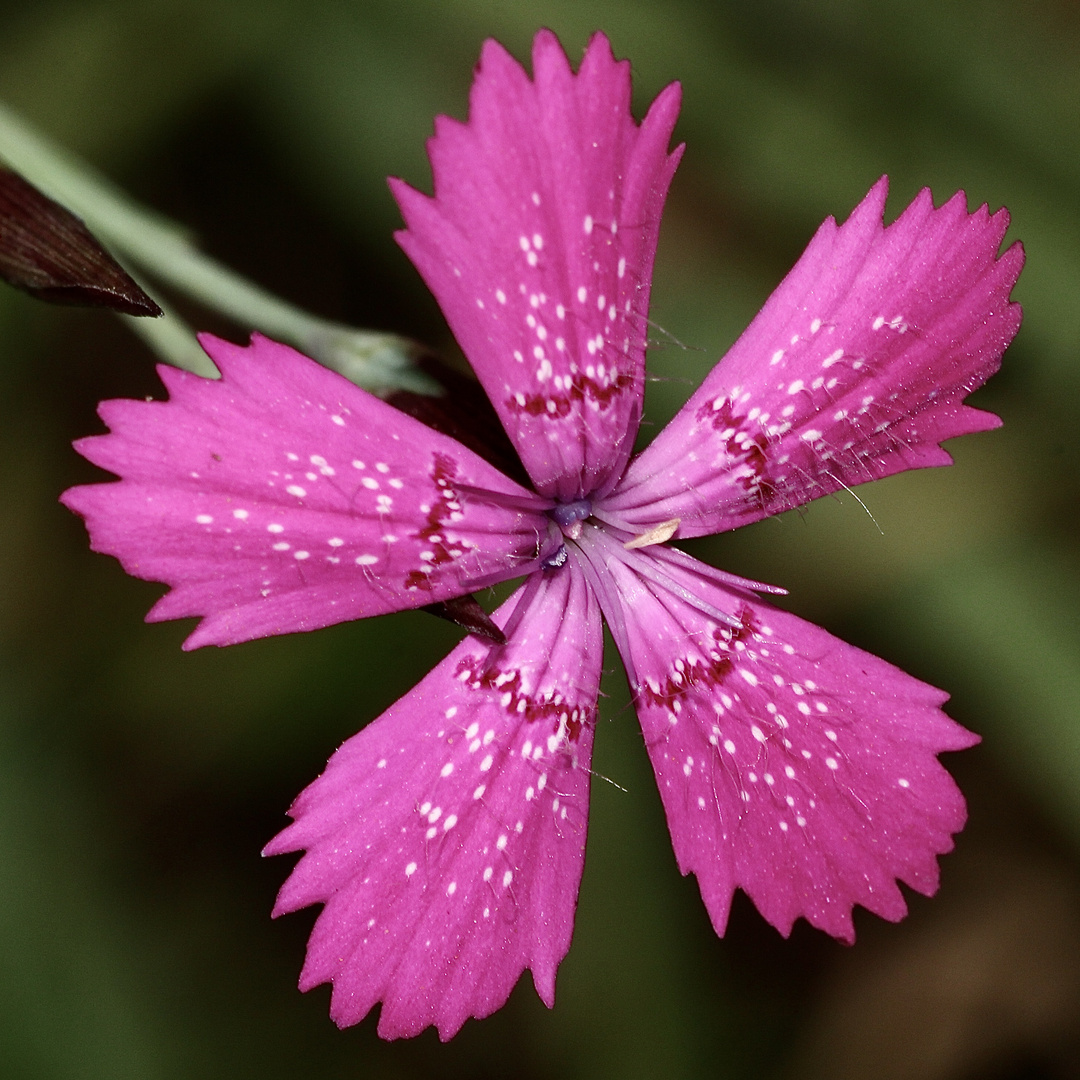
x,y
48,252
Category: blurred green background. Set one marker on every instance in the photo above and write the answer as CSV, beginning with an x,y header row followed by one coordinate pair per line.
x,y
138,783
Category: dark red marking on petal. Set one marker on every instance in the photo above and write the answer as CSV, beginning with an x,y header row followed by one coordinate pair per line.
x,y
750,450
707,676
440,513
553,706
581,388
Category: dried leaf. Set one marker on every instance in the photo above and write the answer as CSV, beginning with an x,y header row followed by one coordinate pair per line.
x,y
466,612
48,252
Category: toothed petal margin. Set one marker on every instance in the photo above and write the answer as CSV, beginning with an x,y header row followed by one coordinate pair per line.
x,y
791,765
282,497
447,839
855,369
539,246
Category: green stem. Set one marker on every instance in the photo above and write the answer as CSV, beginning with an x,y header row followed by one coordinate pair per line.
x,y
378,362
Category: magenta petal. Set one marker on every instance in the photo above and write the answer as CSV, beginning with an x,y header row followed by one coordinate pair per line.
x,y
539,245
447,839
791,765
856,368
284,498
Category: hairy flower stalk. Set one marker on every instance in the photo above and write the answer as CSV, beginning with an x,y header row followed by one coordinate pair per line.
x,y
446,840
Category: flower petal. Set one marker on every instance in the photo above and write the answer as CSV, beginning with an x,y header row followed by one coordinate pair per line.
x,y
539,245
855,369
447,839
791,765
284,498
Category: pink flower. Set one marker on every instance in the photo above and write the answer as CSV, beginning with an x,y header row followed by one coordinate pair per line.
x,y
446,840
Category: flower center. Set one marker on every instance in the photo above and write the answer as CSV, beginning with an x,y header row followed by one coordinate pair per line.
x,y
569,516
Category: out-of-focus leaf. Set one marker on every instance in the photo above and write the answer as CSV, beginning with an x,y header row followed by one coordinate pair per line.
x,y
1003,621
632,1000
104,77
48,252
72,1003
